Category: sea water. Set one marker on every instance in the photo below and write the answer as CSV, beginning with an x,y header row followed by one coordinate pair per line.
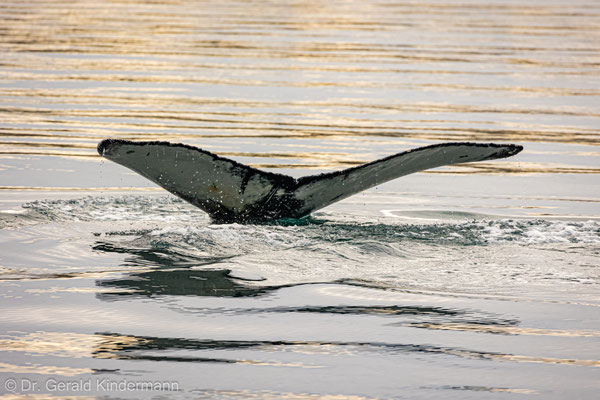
x,y
473,281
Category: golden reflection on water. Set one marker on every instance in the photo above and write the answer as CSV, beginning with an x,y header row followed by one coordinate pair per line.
x,y
506,330
522,168
312,160
43,369
79,189
61,344
77,72
112,346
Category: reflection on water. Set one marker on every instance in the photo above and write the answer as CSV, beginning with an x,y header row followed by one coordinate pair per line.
x,y
177,283
287,73
129,348
506,330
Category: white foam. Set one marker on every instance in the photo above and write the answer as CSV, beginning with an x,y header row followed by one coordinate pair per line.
x,y
540,232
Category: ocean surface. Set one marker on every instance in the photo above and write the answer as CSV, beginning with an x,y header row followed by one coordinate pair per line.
x,y
476,281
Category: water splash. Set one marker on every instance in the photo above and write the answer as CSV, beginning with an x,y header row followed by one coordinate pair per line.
x,y
116,208
177,222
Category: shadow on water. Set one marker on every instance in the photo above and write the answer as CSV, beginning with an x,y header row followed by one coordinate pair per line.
x,y
160,256
178,282
172,276
169,272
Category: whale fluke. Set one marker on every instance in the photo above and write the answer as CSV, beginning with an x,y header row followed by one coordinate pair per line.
x,y
233,192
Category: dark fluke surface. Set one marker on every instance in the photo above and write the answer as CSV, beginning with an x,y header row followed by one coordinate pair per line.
x,y
232,192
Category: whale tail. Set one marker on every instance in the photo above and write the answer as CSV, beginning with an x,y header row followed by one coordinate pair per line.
x,y
232,192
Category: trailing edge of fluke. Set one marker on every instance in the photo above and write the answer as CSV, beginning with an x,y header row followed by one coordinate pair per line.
x,y
232,192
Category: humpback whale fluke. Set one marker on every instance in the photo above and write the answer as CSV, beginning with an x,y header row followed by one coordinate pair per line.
x,y
232,192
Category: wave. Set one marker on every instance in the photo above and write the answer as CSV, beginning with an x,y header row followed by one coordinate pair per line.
x,y
173,222
115,208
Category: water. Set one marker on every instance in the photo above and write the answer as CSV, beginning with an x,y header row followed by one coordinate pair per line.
x,y
472,281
